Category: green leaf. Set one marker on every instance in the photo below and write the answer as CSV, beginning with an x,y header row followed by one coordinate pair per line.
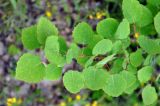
x,y
52,51
146,17
105,60
29,37
132,88
132,10
83,33
156,22
14,4
62,45
73,52
45,28
154,2
115,85
149,95
89,61
123,30
131,69
149,45
13,50
126,43
126,59
30,69
52,72
148,60
145,74
95,79
96,39
131,81
117,47
147,30
107,27
73,81
136,58
102,47
117,66
158,60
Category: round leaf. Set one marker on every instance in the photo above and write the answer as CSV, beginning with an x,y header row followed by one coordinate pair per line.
x,y
136,58
95,79
157,22
131,81
145,73
149,95
132,10
115,85
123,30
52,72
107,27
52,51
73,81
102,47
30,69
45,28
83,33
149,45
146,17
29,38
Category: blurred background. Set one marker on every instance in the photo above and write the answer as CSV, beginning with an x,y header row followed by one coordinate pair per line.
x,y
65,14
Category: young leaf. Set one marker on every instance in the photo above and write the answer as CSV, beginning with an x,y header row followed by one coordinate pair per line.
x,y
132,10
102,47
52,72
95,79
45,28
136,58
83,33
52,51
105,60
149,95
149,45
115,85
145,73
89,61
29,37
117,47
156,22
30,69
123,30
107,27
73,52
73,81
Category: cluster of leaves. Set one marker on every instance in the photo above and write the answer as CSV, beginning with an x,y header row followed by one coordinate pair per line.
x,y
106,57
